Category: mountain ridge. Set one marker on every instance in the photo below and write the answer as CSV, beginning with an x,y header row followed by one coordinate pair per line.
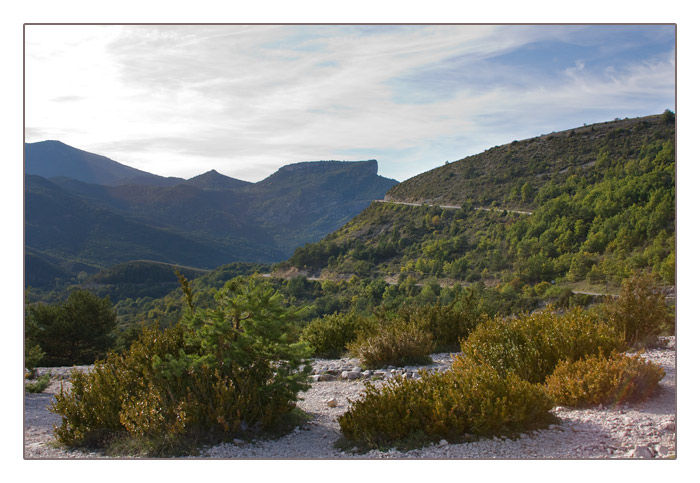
x,y
228,220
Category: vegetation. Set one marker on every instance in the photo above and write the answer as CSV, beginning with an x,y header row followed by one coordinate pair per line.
x,y
330,335
596,379
597,219
471,400
77,331
39,385
531,345
640,312
395,343
217,374
513,174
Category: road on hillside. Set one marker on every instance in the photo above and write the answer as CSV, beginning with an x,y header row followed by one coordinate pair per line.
x,y
453,207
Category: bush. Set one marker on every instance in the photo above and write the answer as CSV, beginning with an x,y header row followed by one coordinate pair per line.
x,y
39,385
449,323
469,399
531,346
396,343
640,312
616,379
216,374
32,358
329,336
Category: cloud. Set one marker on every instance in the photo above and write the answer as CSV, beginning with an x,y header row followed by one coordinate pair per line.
x,y
242,99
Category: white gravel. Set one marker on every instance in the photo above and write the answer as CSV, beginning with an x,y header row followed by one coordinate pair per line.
x,y
643,430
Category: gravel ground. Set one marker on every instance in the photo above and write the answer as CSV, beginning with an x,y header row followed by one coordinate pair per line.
x,y
643,430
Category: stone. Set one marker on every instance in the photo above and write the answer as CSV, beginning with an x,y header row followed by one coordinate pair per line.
x,y
327,377
661,450
357,369
443,442
642,452
315,378
332,403
349,375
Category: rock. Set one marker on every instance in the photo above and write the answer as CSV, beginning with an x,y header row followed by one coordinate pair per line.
x,y
332,403
641,451
357,369
443,442
661,450
327,377
315,378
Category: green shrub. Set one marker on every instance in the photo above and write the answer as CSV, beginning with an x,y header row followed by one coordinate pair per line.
x,y
640,312
616,379
449,323
469,399
32,358
215,374
396,343
532,345
329,336
39,385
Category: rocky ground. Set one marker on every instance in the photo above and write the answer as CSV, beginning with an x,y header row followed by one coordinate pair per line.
x,y
643,430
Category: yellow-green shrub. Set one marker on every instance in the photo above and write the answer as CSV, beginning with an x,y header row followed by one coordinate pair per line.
x,y
531,346
640,312
329,336
396,343
471,398
615,379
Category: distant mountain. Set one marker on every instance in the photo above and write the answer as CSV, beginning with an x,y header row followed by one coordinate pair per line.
x,y
50,159
203,222
64,233
215,181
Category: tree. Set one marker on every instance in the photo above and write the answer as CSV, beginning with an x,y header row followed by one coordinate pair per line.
x,y
78,331
219,372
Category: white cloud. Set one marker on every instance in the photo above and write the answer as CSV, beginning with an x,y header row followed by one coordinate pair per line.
x,y
179,100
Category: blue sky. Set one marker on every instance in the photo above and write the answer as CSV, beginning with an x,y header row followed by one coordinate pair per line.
x,y
248,99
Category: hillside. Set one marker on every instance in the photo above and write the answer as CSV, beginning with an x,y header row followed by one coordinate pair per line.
x,y
601,198
512,174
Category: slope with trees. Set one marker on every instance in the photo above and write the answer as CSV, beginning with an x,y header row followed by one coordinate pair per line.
x,y
595,222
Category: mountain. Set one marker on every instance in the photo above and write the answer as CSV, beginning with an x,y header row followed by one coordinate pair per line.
x,y
582,207
216,181
203,222
499,174
50,159
65,234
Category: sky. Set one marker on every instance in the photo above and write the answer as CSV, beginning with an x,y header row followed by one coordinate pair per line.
x,y
179,100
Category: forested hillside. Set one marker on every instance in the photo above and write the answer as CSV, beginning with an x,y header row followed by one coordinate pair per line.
x,y
602,201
